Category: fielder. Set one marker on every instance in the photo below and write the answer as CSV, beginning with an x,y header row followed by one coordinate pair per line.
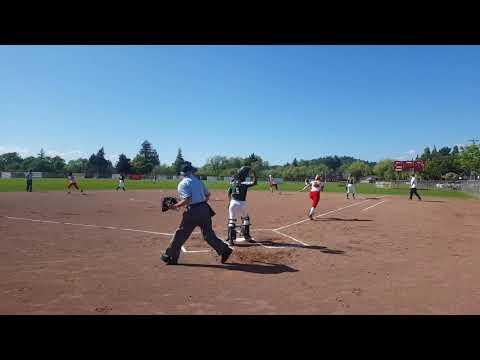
x,y
413,187
315,187
121,182
72,182
351,187
273,183
237,195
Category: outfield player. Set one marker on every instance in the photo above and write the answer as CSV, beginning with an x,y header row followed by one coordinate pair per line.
x,y
121,182
29,177
413,187
72,182
315,187
237,196
273,183
350,187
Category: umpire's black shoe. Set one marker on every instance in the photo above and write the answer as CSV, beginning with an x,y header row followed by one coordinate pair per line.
x,y
168,260
226,255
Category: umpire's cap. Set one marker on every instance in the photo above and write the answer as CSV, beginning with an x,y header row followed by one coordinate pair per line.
x,y
188,168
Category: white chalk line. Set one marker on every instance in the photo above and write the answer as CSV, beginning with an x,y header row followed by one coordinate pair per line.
x,y
197,251
291,237
381,202
329,212
88,225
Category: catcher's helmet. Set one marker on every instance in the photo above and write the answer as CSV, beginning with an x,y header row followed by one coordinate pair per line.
x,y
243,172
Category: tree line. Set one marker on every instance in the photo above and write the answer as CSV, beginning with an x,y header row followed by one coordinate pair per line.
x,y
445,163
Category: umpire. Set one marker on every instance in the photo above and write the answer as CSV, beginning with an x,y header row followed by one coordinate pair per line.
x,y
194,195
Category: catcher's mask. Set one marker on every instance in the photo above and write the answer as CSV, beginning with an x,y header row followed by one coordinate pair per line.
x,y
243,172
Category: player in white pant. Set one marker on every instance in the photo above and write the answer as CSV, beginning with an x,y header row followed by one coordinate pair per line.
x,y
121,182
237,195
351,187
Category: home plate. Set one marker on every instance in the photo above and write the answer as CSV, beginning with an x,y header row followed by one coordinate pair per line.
x,y
242,239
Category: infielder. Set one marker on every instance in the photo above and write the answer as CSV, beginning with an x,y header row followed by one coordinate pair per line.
x,y
273,183
72,182
350,187
121,182
315,187
237,196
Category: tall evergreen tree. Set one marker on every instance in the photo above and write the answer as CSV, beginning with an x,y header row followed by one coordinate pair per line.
x,y
179,161
123,165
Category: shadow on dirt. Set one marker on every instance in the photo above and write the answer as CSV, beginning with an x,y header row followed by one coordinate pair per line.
x,y
435,201
340,219
267,269
323,249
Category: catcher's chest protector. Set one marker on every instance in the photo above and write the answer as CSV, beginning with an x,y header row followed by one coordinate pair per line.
x,y
239,190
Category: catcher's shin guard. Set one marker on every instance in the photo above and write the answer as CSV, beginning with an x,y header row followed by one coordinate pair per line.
x,y
246,227
232,233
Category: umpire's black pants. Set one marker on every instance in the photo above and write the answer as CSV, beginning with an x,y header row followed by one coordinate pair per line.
x,y
195,215
29,185
414,191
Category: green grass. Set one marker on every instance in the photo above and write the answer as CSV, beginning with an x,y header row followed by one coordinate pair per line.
x,y
12,185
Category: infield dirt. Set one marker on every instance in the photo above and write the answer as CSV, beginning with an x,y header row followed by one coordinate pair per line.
x,y
100,253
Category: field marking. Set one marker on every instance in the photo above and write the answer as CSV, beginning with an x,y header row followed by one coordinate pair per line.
x,y
329,212
381,202
88,225
194,251
147,201
291,237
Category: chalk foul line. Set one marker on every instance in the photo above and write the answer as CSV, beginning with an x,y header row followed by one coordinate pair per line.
x,y
88,225
290,237
381,202
324,214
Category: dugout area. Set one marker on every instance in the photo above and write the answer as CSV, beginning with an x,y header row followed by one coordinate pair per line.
x,y
99,253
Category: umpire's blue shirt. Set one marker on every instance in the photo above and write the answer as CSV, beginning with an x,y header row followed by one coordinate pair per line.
x,y
192,187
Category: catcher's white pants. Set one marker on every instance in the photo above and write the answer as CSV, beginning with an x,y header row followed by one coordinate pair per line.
x,y
350,188
237,209
121,184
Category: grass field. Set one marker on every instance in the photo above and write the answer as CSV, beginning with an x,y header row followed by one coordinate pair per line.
x,y
12,185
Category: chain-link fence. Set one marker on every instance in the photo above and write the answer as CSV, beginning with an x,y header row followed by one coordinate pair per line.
x,y
471,186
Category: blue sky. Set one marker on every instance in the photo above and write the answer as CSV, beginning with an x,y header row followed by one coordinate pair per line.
x,y
281,102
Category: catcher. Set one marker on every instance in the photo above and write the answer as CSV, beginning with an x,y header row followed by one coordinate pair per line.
x,y
237,195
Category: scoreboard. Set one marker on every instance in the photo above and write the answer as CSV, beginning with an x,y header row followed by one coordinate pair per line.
x,y
416,165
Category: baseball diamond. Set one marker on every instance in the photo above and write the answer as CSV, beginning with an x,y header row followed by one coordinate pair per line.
x,y
239,180
366,253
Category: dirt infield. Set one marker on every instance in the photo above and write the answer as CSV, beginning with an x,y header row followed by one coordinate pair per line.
x,y
99,253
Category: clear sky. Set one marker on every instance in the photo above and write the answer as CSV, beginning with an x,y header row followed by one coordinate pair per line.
x,y
281,102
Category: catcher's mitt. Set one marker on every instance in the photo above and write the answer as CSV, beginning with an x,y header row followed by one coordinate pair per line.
x,y
168,202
